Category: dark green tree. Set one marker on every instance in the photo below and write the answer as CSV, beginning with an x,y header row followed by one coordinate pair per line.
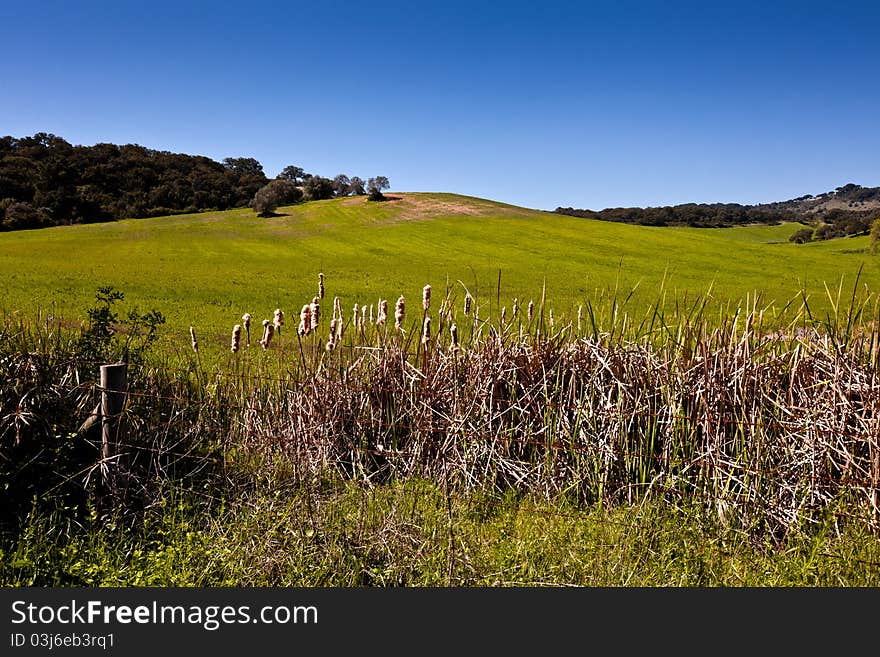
x,y
802,236
342,185
292,173
316,188
357,186
375,187
274,193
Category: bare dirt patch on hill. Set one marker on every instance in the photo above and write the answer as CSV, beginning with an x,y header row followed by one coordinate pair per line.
x,y
416,207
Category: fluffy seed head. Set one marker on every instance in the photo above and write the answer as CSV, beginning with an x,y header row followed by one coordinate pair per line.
x,y
426,331
246,318
305,320
515,307
382,315
321,285
278,320
468,300
399,312
426,297
531,310
236,337
314,315
334,336
355,315
195,343
504,315
453,331
268,331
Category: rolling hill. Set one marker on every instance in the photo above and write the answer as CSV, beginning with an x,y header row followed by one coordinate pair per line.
x,y
207,269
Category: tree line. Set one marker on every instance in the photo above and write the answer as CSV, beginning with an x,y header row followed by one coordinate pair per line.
x,y
46,181
846,211
697,215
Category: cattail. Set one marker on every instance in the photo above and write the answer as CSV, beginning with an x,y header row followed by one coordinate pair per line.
x,y
236,337
278,320
268,331
314,315
426,331
195,343
355,315
382,315
340,327
321,286
305,320
247,326
468,300
426,297
504,315
580,313
453,331
334,334
364,315
399,312
515,308
531,310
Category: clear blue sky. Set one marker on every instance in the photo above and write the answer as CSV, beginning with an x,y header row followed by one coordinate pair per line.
x,y
588,104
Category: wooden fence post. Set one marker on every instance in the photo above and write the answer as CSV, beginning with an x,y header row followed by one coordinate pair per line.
x,y
113,389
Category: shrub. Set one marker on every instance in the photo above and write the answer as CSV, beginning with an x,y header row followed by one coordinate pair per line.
x,y
276,192
803,236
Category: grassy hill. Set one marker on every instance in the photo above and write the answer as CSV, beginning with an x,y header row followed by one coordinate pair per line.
x,y
208,269
703,457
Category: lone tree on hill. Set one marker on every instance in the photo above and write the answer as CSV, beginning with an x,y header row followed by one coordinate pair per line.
x,y
276,192
375,187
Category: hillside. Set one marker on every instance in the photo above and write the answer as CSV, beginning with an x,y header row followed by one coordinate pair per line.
x,y
207,269
848,210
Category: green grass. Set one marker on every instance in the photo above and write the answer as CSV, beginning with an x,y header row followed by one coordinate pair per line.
x,y
409,534
208,269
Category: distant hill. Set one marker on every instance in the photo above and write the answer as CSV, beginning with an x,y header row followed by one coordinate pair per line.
x,y
847,210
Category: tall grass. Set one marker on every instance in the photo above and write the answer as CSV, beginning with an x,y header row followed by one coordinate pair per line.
x,y
766,418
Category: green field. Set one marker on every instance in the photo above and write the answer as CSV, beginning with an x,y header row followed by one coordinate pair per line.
x,y
208,269
534,458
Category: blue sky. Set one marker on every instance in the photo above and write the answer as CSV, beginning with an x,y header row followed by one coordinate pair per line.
x,y
587,104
